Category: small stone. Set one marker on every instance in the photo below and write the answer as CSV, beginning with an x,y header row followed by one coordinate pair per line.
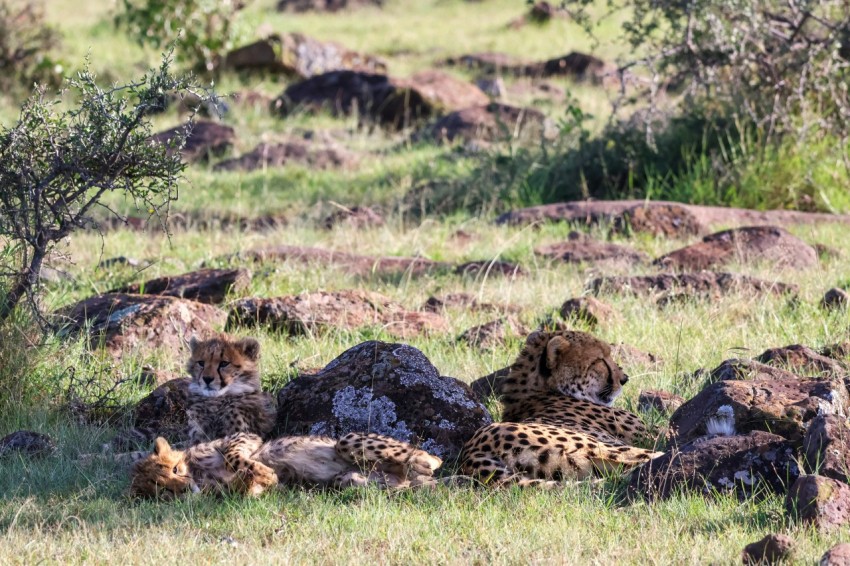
x,y
772,549
838,555
819,501
588,309
835,298
28,443
658,400
494,333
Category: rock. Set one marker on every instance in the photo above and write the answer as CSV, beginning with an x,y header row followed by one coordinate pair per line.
x,y
492,122
54,276
494,88
124,323
658,400
390,389
838,555
300,55
802,360
205,285
757,244
839,351
489,63
486,268
826,446
490,385
743,369
780,405
742,464
300,6
295,151
464,301
357,217
772,549
576,65
835,298
660,220
710,284
320,311
629,356
363,266
494,333
204,140
27,443
593,212
119,260
819,501
162,412
590,251
588,309
391,102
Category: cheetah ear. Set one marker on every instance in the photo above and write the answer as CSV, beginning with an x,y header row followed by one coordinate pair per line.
x,y
161,446
249,347
193,343
556,350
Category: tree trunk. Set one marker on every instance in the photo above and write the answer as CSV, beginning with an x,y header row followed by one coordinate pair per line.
x,y
24,282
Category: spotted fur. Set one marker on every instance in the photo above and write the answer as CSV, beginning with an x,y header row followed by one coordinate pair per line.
x,y
558,419
242,463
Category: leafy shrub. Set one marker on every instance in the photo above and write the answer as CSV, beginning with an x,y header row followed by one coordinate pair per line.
x,y
202,31
56,164
25,45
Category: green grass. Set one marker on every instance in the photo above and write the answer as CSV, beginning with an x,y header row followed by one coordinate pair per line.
x,y
59,509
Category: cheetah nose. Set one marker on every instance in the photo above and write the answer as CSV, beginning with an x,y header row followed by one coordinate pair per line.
x,y
208,379
624,380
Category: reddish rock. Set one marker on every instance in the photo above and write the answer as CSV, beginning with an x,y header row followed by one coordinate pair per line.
x,y
295,151
781,406
629,356
205,285
300,55
494,333
351,263
464,301
772,549
826,447
758,244
27,443
705,284
588,309
357,217
321,311
493,122
205,139
835,298
486,268
589,251
802,360
838,555
124,323
660,220
741,464
839,351
743,369
601,211
443,91
819,501
390,389
658,400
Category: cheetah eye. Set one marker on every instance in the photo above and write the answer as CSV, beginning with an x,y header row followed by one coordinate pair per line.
x,y
174,470
200,363
223,364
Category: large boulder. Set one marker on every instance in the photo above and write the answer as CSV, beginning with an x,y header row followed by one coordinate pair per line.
x,y
661,220
582,250
160,413
819,501
494,122
127,324
826,447
319,311
204,139
782,406
742,464
390,389
756,244
300,55
709,284
205,285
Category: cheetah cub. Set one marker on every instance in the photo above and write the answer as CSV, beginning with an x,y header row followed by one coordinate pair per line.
x,y
558,419
242,463
225,396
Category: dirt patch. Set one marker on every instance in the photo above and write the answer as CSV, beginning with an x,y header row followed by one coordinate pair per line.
x,y
321,311
750,245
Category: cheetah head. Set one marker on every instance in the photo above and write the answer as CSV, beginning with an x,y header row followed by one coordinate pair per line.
x,y
163,474
575,364
224,366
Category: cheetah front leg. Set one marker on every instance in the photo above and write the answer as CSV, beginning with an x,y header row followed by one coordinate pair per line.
x,y
250,476
398,462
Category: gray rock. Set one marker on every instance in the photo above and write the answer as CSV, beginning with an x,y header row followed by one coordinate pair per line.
x,y
390,389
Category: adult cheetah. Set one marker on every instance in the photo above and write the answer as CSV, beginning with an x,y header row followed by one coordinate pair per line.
x,y
558,420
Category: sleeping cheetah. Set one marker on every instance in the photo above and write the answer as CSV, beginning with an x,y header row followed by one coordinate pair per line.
x,y
558,422
242,463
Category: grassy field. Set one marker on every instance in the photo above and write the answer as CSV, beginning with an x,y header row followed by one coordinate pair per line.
x,y
60,510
